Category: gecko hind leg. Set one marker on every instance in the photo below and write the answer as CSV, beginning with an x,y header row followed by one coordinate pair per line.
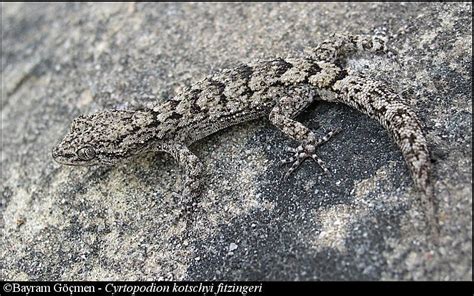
x,y
282,116
301,153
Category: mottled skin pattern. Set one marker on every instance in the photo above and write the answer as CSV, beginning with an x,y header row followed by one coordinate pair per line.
x,y
278,89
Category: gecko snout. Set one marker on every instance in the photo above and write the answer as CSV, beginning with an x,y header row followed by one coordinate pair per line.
x,y
54,152
60,156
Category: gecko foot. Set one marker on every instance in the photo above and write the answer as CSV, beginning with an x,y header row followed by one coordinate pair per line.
x,y
303,152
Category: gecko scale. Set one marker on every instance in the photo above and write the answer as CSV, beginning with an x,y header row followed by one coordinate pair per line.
x,y
278,89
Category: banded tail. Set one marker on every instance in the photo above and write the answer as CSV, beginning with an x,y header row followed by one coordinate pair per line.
x,y
379,102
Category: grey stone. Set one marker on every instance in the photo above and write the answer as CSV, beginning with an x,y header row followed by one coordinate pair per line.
x,y
365,222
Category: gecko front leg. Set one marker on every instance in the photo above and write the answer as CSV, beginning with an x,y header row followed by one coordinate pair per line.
x,y
282,116
193,170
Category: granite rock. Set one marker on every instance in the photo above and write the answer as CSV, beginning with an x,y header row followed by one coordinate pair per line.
x,y
365,222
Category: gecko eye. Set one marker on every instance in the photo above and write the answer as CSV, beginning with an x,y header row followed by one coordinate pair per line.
x,y
86,153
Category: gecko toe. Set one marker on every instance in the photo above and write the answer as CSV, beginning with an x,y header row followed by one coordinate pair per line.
x,y
303,152
298,157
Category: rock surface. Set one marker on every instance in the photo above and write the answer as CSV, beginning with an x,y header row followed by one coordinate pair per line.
x,y
363,223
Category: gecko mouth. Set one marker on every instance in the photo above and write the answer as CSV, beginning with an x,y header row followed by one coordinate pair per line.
x,y
66,158
69,162
73,159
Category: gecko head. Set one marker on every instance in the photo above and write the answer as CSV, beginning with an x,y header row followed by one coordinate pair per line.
x,y
104,138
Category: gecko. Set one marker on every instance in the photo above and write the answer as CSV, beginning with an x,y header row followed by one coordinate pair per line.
x,y
278,89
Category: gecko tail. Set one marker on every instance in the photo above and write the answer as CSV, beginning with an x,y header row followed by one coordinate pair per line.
x,y
378,101
428,204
